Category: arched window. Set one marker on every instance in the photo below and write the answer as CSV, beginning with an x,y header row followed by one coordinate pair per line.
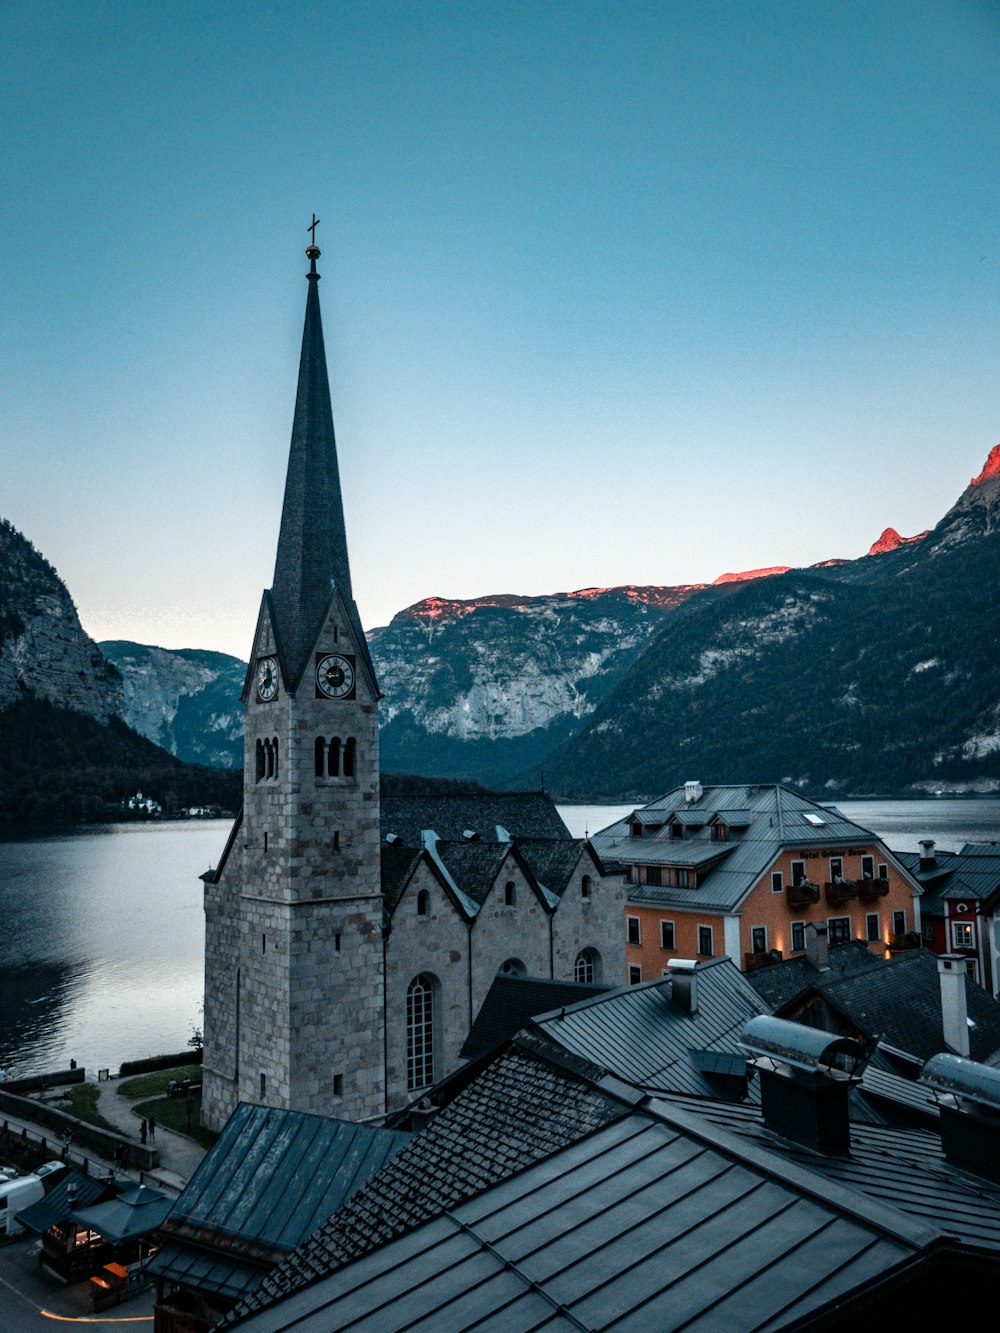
x,y
513,967
587,967
509,894
268,759
350,757
275,745
420,1033
333,758
320,756
585,886
423,903
260,760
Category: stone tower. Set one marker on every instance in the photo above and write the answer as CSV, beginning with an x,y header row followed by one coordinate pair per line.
x,y
294,961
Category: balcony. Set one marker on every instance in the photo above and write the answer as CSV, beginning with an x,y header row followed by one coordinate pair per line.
x,y
909,940
840,891
872,888
802,894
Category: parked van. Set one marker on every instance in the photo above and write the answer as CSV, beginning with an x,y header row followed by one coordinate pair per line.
x,y
15,1196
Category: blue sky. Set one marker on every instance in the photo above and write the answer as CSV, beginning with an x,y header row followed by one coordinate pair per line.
x,y
613,293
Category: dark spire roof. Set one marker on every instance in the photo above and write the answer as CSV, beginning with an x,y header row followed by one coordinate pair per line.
x,y
312,546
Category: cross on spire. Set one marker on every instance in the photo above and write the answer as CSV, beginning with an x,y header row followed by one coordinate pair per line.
x,y
312,228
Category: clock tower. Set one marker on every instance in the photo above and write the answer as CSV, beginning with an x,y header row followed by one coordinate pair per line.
x,y
294,960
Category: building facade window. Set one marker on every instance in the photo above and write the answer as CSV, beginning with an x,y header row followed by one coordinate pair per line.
x,y
868,867
424,903
420,1033
720,833
899,922
838,929
586,886
654,875
333,758
777,881
634,975
873,927
509,894
350,758
798,872
585,969
705,949
758,939
668,936
798,936
961,935
836,869
883,870
633,933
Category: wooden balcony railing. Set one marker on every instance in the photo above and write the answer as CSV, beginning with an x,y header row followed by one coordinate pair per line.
x,y
900,943
755,960
872,888
802,894
840,891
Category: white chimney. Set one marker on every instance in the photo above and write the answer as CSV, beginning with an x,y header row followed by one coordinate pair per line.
x,y
928,861
954,1013
693,792
684,984
817,947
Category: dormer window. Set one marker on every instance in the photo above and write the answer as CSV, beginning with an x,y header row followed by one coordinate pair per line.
x,y
636,830
677,830
720,833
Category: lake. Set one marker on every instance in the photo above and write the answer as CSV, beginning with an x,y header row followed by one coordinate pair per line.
x,y
103,931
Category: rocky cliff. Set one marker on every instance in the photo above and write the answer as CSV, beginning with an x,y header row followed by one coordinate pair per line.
x,y
186,700
44,653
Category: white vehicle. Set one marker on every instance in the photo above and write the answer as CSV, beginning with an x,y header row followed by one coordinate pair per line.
x,y
16,1195
49,1170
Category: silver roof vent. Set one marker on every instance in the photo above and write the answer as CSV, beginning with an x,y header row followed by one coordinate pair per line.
x,y
968,1099
693,791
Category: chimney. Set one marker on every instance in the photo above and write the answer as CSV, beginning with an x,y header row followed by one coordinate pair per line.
x,y
806,1077
684,984
928,861
817,947
954,1011
693,791
968,1099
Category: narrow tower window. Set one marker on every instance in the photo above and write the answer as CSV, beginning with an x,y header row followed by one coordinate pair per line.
x,y
333,758
419,1033
320,756
275,743
350,757
423,903
260,759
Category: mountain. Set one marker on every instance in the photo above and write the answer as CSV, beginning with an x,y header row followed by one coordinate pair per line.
x,y
44,653
875,675
186,700
486,687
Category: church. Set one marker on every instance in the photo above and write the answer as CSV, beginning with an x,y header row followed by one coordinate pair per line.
x,y
350,940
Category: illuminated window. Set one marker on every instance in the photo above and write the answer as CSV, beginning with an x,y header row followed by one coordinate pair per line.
x,y
420,1033
961,935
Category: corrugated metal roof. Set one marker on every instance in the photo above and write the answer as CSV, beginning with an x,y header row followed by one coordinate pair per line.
x,y
273,1176
646,1224
678,853
778,818
57,1205
214,1274
511,1001
643,1037
976,867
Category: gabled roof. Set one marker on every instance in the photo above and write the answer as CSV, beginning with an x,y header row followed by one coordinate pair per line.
x,y
775,819
553,860
667,1218
511,1001
474,866
781,982
973,873
900,1001
521,1110
529,814
136,1212
57,1203
646,1039
269,1180
398,865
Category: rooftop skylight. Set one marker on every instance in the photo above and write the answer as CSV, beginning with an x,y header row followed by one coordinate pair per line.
x,y
814,819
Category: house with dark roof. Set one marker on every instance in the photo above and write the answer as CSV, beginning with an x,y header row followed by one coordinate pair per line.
x,y
670,1211
267,1183
742,870
960,908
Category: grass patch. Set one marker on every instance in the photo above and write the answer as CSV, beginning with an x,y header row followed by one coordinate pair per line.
x,y
155,1084
172,1113
82,1098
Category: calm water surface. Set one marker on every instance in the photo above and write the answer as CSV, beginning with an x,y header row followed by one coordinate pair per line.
x,y
102,932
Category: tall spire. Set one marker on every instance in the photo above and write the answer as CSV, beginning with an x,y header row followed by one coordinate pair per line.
x,y
312,545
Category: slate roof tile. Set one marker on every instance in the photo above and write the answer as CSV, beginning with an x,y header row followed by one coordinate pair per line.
x,y
530,814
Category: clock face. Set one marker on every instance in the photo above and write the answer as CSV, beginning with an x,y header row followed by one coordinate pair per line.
x,y
335,676
267,679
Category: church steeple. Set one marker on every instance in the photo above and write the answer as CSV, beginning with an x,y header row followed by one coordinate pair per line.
x,y
312,545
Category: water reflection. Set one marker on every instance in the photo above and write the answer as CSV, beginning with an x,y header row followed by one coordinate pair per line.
x,y
102,942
